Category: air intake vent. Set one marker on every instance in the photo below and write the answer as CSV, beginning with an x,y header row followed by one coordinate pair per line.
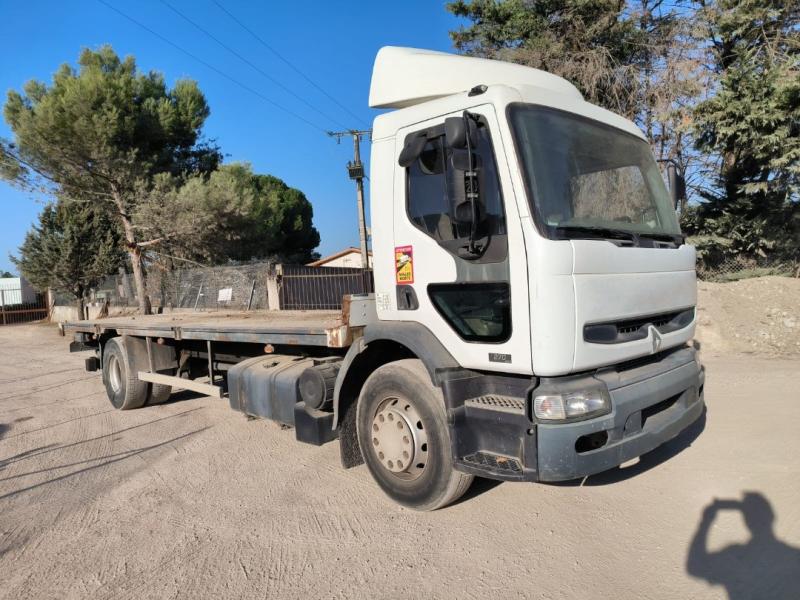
x,y
628,330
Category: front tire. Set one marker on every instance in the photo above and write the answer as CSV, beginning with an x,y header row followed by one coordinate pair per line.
x,y
404,439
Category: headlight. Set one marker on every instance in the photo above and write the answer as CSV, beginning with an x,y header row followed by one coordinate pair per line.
x,y
572,405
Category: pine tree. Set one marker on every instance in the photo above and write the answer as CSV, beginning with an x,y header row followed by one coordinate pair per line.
x,y
71,250
232,214
101,133
636,58
751,127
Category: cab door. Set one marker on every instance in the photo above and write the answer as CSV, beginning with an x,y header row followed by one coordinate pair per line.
x,y
460,269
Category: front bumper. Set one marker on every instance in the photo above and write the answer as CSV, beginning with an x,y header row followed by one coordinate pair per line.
x,y
646,412
651,402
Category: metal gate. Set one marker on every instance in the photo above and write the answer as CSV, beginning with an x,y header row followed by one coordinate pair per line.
x,y
15,308
320,288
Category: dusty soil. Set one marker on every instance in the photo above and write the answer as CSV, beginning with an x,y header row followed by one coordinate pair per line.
x,y
752,316
192,500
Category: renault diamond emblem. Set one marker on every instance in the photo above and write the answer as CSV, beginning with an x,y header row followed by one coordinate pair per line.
x,y
656,339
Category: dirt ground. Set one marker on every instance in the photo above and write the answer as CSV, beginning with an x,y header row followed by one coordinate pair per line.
x,y
193,500
752,316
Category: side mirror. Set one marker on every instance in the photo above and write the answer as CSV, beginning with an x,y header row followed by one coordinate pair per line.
x,y
677,185
456,130
464,188
412,150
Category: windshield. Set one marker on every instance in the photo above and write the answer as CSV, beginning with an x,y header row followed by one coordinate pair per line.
x,y
587,178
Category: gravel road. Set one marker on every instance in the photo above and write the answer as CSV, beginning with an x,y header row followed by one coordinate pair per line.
x,y
193,500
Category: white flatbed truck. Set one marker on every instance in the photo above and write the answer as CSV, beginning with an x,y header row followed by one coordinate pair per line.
x,y
534,298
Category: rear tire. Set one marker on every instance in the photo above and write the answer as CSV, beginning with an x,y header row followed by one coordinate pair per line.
x,y
159,393
404,438
123,387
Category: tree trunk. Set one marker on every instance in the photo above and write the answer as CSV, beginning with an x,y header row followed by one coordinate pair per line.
x,y
79,304
138,279
134,252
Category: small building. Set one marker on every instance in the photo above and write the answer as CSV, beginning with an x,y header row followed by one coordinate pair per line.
x,y
15,291
349,257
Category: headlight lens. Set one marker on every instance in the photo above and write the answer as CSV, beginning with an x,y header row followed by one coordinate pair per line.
x,y
572,405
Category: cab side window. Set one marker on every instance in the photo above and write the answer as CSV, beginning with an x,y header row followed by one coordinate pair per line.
x,y
430,181
428,202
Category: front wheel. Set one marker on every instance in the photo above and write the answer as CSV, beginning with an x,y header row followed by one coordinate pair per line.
x,y
403,435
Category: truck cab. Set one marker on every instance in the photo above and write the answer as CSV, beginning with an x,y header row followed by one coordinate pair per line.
x,y
528,235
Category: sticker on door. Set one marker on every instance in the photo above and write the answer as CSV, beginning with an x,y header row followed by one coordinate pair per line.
x,y
404,264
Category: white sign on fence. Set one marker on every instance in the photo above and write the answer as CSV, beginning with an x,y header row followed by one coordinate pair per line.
x,y
225,295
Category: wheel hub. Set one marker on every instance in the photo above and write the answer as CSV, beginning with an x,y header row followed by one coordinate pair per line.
x,y
115,373
399,439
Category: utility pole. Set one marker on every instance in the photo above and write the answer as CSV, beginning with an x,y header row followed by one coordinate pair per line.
x,y
355,171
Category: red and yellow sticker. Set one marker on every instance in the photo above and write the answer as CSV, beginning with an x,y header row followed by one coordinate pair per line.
x,y
404,264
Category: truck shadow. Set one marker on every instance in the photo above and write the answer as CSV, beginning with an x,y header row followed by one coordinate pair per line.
x,y
3,429
46,427
56,447
182,396
648,461
764,567
104,461
478,487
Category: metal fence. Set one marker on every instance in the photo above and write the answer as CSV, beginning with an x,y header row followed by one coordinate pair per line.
x,y
242,287
15,308
320,288
255,286
739,267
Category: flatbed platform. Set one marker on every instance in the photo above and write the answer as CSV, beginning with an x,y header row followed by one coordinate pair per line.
x,y
298,328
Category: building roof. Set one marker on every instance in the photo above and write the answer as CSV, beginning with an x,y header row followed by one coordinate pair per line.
x,y
330,257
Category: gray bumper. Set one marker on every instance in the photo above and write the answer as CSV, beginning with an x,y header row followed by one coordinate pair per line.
x,y
650,405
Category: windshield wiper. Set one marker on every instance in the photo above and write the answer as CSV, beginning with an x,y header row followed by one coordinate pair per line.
x,y
599,232
675,238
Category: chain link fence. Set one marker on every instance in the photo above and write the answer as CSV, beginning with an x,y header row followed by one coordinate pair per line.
x,y
242,287
255,286
739,267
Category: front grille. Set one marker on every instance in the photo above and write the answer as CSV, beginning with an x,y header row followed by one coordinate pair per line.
x,y
627,330
494,461
635,325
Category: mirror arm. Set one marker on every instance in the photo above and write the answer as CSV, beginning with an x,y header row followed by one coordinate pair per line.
x,y
470,180
678,195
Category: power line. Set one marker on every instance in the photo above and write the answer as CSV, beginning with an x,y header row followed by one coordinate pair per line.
x,y
287,62
213,68
249,63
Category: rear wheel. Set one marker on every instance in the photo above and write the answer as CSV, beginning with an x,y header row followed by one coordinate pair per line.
x,y
123,387
403,435
159,393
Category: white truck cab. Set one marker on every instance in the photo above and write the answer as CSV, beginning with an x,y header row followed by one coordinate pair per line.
x,y
578,238
532,235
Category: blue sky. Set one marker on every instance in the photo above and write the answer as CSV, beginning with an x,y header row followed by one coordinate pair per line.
x,y
334,43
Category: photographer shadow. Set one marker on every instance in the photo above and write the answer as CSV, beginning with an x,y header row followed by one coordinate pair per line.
x,y
765,567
